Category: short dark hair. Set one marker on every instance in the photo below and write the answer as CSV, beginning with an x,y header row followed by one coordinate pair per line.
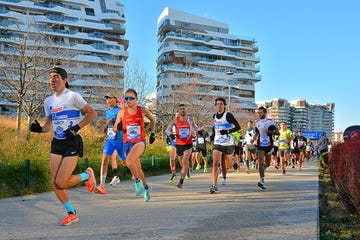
x,y
262,108
220,99
182,105
131,90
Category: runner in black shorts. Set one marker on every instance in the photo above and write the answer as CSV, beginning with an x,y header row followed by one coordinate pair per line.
x,y
63,114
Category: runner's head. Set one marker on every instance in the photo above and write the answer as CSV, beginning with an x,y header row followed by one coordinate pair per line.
x,y
182,109
262,112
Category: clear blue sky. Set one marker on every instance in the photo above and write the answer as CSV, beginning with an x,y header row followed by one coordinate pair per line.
x,y
308,49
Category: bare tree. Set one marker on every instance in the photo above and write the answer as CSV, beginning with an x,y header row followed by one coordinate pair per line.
x,y
23,68
135,77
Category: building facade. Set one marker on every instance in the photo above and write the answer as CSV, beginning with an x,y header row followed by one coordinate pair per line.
x,y
300,114
87,38
198,60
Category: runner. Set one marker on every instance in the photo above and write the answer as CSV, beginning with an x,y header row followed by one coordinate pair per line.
x,y
202,139
63,114
299,147
116,179
113,144
171,143
132,118
184,126
250,149
264,130
224,124
285,137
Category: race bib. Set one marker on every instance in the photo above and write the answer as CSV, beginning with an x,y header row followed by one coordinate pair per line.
x,y
184,133
201,140
110,134
133,132
59,127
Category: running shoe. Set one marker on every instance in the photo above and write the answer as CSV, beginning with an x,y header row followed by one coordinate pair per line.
x,y
190,169
206,169
147,193
248,171
198,167
223,183
115,181
100,189
138,188
90,183
261,184
179,185
187,177
70,219
213,189
235,166
172,179
284,171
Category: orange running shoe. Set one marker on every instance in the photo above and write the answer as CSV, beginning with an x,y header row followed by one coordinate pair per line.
x,y
70,219
90,183
100,189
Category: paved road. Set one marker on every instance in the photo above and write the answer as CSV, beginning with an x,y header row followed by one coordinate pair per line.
x,y
287,209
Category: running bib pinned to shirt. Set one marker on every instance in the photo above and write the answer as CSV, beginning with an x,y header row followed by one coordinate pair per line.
x,y
133,132
184,133
110,133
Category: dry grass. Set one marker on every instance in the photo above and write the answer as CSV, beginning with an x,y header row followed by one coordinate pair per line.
x,y
14,148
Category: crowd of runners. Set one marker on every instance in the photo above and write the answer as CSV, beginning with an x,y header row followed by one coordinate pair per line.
x,y
263,144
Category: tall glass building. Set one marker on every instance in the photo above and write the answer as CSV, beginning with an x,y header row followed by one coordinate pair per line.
x,y
87,38
198,60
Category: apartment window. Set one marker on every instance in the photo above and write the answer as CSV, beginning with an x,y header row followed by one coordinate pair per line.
x,y
89,12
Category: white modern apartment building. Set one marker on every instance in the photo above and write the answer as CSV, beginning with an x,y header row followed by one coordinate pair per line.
x,y
300,114
199,60
88,36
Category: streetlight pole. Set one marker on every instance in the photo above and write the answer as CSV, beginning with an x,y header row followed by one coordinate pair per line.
x,y
229,73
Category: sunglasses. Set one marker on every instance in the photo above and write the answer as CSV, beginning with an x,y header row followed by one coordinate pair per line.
x,y
129,98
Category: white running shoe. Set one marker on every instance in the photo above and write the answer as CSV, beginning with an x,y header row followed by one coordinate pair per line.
x,y
115,181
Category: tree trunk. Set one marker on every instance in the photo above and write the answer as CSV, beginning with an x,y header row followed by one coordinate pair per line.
x,y
18,119
29,120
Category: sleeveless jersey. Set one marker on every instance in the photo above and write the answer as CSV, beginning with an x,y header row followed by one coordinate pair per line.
x,y
264,140
284,139
183,136
111,114
133,126
220,124
64,111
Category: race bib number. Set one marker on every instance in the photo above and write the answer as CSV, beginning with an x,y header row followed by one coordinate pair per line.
x,y
133,132
201,141
184,133
264,141
59,127
110,134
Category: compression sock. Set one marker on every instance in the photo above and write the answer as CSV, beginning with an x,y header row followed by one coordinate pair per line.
x,y
69,207
83,176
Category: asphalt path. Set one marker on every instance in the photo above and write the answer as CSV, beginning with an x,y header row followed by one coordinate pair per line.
x,y
287,209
